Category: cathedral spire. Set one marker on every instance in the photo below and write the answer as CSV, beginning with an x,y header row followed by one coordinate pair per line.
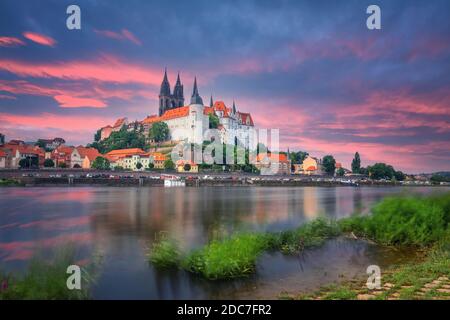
x,y
211,102
234,107
196,99
165,85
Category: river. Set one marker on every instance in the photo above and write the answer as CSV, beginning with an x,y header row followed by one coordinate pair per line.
x,y
119,224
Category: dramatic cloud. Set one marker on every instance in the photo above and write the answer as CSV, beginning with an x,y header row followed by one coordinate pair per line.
x,y
124,34
11,42
74,102
311,69
105,68
40,38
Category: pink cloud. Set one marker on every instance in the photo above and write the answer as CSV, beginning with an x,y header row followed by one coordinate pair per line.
x,y
106,68
48,120
4,96
40,38
75,95
124,34
11,42
74,102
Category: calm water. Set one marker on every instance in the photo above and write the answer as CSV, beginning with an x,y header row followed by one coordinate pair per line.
x,y
120,224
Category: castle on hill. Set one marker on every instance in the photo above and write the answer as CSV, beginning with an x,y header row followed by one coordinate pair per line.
x,y
190,123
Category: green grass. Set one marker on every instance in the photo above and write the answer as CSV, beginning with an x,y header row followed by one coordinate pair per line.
x,y
9,183
311,234
165,254
229,258
45,280
418,221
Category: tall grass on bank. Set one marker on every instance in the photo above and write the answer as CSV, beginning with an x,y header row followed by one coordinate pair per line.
x,y
165,253
45,280
416,221
229,258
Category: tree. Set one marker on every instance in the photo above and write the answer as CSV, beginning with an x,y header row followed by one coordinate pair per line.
x,y
49,163
169,165
340,172
151,166
298,157
399,176
381,171
138,166
98,135
329,164
213,121
62,165
159,132
187,167
356,163
100,163
29,162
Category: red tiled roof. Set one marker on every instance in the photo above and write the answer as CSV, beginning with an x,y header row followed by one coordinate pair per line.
x,y
311,168
168,115
244,117
90,153
64,149
158,156
272,157
125,152
182,162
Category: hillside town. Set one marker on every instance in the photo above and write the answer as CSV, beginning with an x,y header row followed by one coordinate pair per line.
x,y
147,145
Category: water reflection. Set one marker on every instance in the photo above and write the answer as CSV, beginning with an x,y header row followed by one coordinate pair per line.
x,y
121,224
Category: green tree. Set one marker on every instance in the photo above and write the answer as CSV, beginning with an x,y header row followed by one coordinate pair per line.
x,y
381,171
329,164
169,165
437,178
29,162
62,165
49,163
213,121
187,167
159,132
98,135
356,163
399,176
151,166
340,172
139,165
100,163
298,157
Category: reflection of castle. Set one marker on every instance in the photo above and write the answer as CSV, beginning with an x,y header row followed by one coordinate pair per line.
x,y
190,123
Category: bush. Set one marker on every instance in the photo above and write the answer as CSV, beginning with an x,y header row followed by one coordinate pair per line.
x,y
165,254
229,258
49,163
403,221
45,280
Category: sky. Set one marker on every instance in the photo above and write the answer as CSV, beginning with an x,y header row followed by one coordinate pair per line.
x,y
311,69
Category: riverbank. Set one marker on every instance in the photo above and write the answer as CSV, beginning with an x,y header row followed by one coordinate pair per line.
x,y
428,279
60,178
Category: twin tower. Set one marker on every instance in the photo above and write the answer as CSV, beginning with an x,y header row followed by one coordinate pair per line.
x,y
168,101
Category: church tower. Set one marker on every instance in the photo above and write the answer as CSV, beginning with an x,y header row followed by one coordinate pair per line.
x,y
178,96
196,99
164,95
